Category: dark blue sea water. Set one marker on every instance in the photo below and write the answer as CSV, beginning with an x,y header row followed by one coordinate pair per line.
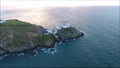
x,y
99,48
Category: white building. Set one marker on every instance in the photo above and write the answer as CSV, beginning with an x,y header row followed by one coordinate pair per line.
x,y
55,31
58,27
2,21
66,25
50,31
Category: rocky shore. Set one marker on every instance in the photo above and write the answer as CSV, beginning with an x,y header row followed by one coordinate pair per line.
x,y
18,36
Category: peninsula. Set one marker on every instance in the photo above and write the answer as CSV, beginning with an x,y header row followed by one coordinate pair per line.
x,y
18,36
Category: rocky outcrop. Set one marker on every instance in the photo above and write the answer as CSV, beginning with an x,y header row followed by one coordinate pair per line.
x,y
24,36
68,33
17,36
3,52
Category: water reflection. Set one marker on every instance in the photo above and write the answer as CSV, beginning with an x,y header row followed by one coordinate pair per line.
x,y
39,16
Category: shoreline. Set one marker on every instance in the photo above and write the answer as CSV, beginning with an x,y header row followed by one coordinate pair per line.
x,y
40,37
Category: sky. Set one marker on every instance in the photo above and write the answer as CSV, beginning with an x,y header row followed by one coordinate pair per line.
x,y
11,4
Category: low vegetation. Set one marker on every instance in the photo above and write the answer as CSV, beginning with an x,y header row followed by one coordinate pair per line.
x,y
14,36
17,36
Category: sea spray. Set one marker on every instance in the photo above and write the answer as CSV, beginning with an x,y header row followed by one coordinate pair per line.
x,y
20,54
50,51
2,57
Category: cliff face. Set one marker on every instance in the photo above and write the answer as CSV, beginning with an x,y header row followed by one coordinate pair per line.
x,y
17,36
45,40
3,52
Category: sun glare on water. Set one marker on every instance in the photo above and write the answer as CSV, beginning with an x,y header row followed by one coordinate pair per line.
x,y
39,14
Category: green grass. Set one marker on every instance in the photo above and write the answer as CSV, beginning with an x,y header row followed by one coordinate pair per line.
x,y
46,37
19,32
43,38
14,22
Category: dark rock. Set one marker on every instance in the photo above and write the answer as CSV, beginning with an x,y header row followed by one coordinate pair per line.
x,y
3,52
68,33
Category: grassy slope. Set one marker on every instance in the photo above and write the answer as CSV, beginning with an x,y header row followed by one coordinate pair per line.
x,y
20,30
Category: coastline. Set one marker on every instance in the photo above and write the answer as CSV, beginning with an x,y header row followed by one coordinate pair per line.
x,y
39,37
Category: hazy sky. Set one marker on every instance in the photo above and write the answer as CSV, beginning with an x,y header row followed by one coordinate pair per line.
x,y
11,4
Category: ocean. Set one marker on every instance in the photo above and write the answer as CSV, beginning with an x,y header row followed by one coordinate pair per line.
x,y
100,47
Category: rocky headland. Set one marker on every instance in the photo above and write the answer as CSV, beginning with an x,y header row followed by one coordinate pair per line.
x,y
18,36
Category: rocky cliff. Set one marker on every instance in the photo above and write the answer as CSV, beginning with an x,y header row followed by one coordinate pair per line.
x,y
17,36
